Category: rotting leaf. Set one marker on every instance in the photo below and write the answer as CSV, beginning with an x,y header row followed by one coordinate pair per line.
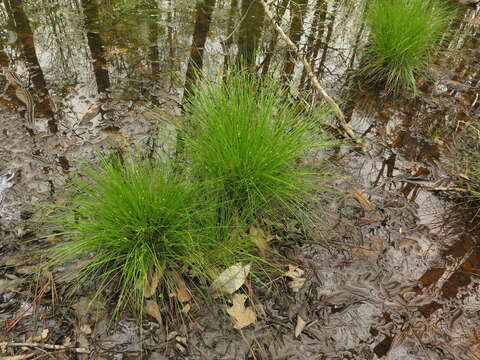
x,y
300,326
231,279
296,274
242,316
151,308
362,199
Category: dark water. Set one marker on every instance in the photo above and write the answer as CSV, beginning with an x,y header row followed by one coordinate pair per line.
x,y
398,280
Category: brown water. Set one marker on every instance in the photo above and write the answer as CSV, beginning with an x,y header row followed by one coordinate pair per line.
x,y
397,280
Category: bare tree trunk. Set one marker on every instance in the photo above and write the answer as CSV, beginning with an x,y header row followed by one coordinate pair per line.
x,y
204,11
250,32
298,9
95,43
273,43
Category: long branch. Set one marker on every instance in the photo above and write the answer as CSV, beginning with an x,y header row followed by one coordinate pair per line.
x,y
311,75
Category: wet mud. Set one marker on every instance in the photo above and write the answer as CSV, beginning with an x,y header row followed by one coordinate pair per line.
x,y
397,277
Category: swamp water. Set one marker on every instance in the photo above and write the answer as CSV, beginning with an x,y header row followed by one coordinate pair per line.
x,y
398,278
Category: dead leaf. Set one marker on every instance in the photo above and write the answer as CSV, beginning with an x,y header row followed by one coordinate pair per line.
x,y
118,51
300,325
186,308
91,112
151,308
231,279
260,239
182,293
296,274
152,283
362,199
242,316
17,357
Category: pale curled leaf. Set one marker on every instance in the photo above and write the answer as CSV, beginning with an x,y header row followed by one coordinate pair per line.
x,y
300,326
242,316
152,283
231,279
152,309
296,274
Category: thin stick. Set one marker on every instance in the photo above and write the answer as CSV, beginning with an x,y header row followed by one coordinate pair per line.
x,y
308,68
46,346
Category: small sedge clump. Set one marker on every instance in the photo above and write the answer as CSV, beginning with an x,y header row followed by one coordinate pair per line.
x,y
248,140
404,35
132,220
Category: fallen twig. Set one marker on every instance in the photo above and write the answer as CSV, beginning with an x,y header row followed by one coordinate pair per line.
x,y
308,68
78,350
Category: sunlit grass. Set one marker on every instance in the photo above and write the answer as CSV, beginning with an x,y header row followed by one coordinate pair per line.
x,y
248,141
404,36
128,220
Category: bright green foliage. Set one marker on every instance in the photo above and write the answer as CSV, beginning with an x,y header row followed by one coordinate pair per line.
x,y
247,140
404,36
132,218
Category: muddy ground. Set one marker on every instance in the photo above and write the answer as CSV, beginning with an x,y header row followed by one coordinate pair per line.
x,y
397,278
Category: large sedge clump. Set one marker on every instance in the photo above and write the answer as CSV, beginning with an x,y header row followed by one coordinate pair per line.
x,y
404,36
133,221
248,141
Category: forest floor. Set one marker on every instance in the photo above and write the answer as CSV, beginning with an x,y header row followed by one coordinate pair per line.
x,y
397,278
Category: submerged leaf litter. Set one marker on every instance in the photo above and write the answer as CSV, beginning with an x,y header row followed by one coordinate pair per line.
x,y
397,279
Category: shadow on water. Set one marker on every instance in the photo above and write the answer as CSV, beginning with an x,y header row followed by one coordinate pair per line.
x,y
399,278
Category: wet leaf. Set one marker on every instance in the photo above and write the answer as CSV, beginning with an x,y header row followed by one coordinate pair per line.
x,y
152,309
91,112
231,279
296,274
242,316
300,325
362,199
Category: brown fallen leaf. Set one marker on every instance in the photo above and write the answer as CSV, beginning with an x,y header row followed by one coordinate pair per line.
x,y
91,112
362,199
296,274
231,279
242,316
300,325
151,308
152,283
182,293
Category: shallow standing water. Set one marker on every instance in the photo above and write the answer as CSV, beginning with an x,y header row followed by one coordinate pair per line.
x,y
397,280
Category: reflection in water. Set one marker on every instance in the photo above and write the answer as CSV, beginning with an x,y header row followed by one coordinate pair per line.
x,y
203,18
250,31
90,9
22,28
298,9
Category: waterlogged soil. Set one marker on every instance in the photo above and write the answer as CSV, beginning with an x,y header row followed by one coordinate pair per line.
x,y
395,277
